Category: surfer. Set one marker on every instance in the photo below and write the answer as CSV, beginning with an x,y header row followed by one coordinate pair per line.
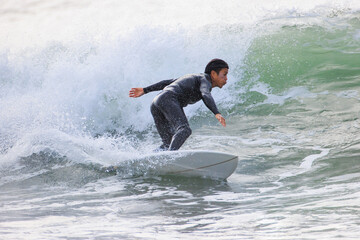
x,y
167,107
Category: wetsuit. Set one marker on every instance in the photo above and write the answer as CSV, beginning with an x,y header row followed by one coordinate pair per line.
x,y
167,107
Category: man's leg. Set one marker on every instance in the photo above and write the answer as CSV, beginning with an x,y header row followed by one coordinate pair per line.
x,y
163,127
181,134
174,114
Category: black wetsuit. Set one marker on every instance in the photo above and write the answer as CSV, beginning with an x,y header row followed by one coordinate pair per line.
x,y
167,107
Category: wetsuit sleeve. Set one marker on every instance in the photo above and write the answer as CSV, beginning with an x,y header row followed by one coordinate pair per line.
x,y
158,86
207,97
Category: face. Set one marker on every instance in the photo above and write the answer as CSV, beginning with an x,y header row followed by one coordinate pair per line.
x,y
219,80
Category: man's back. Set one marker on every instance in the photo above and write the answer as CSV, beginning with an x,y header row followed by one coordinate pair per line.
x,y
190,88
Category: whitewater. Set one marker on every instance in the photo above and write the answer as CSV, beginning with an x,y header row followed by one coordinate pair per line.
x,y
291,107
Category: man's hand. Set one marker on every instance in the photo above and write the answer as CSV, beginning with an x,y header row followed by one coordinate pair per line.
x,y
221,119
136,92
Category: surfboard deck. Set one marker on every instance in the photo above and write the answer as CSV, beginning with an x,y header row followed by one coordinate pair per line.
x,y
209,164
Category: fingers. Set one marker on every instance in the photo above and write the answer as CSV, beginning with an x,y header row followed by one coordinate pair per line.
x,y
131,93
221,119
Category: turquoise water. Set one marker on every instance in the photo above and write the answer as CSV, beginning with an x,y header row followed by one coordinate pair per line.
x,y
291,106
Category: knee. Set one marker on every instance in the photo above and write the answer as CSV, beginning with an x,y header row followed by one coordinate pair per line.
x,y
185,131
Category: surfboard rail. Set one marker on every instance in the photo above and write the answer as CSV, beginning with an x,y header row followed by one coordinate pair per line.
x,y
194,163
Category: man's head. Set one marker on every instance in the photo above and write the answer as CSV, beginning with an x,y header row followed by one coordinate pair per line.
x,y
218,70
215,65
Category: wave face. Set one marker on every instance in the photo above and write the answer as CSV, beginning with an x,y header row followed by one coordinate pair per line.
x,y
291,105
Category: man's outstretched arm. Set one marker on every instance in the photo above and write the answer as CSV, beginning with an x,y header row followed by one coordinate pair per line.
x,y
210,103
138,92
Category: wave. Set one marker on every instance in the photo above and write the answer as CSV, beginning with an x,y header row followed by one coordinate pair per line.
x,y
72,96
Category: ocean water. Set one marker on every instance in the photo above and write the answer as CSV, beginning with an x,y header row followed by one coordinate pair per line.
x,y
292,105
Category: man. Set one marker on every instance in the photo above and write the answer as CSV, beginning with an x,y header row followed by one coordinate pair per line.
x,y
167,107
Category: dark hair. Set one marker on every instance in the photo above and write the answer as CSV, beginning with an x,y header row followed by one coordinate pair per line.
x,y
216,64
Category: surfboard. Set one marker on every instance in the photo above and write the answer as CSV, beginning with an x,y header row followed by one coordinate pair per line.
x,y
208,164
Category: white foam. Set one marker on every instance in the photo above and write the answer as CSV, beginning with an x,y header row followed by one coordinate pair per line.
x,y
292,93
306,164
109,18
309,160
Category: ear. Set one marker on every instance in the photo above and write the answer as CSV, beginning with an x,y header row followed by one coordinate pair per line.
x,y
213,74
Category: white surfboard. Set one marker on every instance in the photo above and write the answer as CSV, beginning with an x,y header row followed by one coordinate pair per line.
x,y
207,164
